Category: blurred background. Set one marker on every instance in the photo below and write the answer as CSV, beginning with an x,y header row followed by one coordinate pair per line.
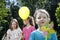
x,y
9,10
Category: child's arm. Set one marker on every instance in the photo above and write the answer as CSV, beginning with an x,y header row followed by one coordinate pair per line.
x,y
7,36
8,31
21,36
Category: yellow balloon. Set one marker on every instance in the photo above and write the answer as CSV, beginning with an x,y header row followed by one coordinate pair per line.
x,y
24,12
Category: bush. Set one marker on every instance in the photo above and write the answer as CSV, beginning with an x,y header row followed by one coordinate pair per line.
x,y
57,14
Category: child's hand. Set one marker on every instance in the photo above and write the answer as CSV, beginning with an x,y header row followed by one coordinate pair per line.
x,y
22,37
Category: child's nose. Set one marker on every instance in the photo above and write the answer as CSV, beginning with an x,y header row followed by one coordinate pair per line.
x,y
42,18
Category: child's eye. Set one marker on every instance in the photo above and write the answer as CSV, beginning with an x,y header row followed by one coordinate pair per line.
x,y
39,17
44,17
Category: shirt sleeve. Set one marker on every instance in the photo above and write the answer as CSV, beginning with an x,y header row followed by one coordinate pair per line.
x,y
8,31
31,36
54,36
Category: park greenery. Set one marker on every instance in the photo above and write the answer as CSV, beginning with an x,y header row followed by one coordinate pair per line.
x,y
5,16
57,14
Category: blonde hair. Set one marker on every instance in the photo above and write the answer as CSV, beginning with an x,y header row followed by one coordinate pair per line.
x,y
42,11
14,20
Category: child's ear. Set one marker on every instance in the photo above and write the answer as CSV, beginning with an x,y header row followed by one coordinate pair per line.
x,y
36,22
48,19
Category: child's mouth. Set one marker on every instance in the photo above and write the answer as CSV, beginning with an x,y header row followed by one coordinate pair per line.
x,y
42,22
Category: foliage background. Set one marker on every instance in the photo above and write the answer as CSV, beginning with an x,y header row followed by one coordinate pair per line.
x,y
7,14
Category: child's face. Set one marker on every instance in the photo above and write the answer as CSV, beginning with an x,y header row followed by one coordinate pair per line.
x,y
13,25
26,22
41,19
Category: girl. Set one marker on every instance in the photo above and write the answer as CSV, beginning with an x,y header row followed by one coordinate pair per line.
x,y
14,32
41,18
28,28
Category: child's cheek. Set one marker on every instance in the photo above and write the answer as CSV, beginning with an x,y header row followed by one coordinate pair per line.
x,y
46,20
37,21
14,25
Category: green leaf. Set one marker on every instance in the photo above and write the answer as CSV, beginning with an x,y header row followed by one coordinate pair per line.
x,y
59,25
57,14
47,24
4,21
1,28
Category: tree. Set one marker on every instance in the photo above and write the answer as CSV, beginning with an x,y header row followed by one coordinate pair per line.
x,y
3,12
3,18
57,14
35,4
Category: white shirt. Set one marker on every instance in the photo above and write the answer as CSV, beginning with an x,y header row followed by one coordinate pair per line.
x,y
14,35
